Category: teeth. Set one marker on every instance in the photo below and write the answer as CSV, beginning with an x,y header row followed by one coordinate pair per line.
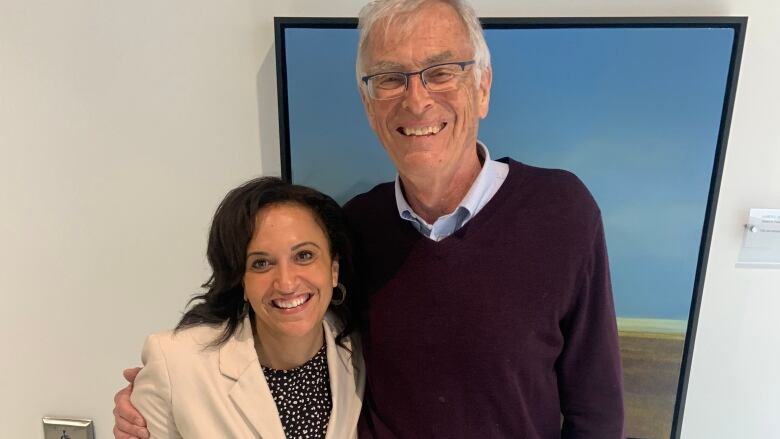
x,y
422,131
291,303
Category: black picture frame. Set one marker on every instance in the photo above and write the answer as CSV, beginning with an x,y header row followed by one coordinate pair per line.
x,y
737,23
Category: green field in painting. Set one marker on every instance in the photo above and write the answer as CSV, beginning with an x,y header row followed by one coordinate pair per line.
x,y
652,353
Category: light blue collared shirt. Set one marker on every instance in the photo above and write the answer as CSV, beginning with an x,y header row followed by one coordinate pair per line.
x,y
489,180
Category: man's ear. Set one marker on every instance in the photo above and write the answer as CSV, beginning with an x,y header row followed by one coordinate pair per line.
x,y
367,105
485,82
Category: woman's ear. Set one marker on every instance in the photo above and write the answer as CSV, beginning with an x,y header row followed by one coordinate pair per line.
x,y
334,271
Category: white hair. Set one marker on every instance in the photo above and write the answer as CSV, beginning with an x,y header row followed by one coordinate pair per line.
x,y
378,10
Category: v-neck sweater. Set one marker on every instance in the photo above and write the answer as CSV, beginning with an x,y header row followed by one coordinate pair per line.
x,y
496,330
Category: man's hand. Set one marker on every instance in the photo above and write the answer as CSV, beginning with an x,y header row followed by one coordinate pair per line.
x,y
128,422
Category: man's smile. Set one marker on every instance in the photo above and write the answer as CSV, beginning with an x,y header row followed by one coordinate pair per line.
x,y
421,131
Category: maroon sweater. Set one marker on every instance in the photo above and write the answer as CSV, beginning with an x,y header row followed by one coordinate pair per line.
x,y
496,330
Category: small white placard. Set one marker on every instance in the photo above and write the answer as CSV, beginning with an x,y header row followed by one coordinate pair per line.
x,y
761,244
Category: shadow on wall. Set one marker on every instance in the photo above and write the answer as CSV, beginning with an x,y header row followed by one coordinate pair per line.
x,y
268,120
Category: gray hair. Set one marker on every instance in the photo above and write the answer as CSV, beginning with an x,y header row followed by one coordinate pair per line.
x,y
377,10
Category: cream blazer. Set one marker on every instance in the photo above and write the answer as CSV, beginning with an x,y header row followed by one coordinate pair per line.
x,y
186,390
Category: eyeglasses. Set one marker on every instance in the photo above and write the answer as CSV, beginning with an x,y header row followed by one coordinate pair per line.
x,y
436,78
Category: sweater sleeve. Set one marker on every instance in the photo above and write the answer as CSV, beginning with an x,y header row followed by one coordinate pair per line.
x,y
152,392
589,368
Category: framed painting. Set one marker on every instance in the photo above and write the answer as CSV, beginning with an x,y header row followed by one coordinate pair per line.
x,y
638,108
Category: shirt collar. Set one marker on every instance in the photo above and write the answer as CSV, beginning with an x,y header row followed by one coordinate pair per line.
x,y
468,207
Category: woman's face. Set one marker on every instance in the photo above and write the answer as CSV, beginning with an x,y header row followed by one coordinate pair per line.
x,y
290,275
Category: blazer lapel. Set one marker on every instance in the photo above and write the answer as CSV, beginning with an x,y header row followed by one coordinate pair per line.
x,y
238,361
346,386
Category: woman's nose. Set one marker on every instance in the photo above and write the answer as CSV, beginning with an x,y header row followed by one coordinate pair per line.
x,y
286,278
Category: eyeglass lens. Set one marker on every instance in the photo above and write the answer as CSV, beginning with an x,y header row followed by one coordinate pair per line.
x,y
435,78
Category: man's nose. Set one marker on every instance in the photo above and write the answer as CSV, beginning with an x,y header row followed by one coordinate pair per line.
x,y
417,98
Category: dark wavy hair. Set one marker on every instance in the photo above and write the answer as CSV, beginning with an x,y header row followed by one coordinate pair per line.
x,y
230,234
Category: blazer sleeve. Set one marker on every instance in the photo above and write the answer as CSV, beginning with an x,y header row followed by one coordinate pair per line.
x,y
152,391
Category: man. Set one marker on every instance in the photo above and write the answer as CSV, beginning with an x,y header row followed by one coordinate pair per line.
x,y
487,286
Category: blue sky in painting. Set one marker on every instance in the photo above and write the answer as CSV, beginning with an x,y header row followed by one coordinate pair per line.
x,y
633,112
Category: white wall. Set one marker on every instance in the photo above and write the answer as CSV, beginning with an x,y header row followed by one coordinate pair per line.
x,y
123,123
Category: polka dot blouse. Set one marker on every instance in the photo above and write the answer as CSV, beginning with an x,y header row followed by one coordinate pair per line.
x,y
302,397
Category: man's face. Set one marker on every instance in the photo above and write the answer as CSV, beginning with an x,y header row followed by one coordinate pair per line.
x,y
426,132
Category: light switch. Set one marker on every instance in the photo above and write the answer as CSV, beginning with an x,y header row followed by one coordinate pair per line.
x,y
61,428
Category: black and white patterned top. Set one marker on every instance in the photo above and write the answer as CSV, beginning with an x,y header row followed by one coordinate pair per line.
x,y
302,397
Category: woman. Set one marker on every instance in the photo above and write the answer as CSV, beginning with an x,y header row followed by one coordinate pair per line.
x,y
266,351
